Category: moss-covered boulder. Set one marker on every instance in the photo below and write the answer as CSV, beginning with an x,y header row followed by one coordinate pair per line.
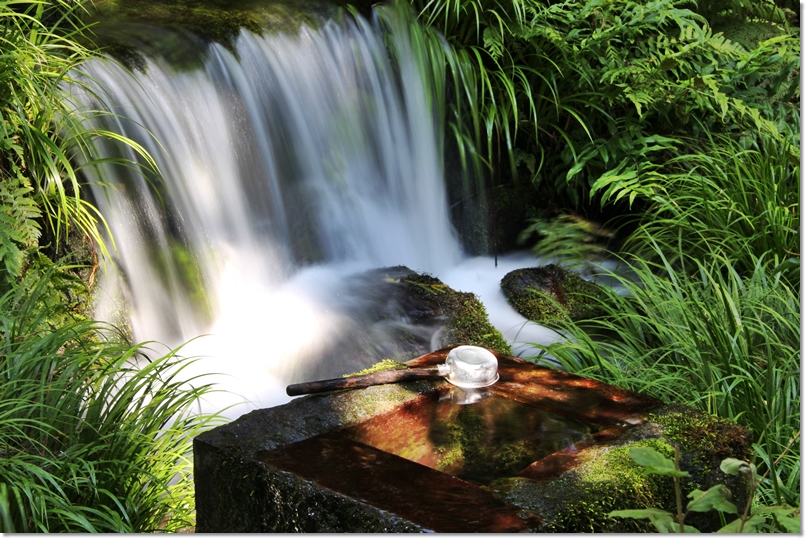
x,y
424,300
549,292
466,320
396,313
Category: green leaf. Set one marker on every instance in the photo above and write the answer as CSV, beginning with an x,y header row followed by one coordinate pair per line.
x,y
654,462
788,517
715,497
668,63
733,466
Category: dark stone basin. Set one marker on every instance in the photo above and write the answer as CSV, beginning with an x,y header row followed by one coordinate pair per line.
x,y
526,456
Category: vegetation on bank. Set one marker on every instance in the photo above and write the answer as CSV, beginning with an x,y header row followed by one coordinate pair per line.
x,y
95,433
679,124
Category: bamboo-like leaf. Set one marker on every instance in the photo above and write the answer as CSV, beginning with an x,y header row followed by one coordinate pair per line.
x,y
654,462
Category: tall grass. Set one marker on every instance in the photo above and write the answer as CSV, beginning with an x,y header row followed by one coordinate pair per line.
x,y
718,200
94,435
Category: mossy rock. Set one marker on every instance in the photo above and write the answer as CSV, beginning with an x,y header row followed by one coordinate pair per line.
x,y
465,318
402,314
181,31
549,293
603,478
306,466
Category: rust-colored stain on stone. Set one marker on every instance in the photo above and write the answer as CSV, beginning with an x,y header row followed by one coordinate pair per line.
x,y
556,463
437,460
480,442
436,501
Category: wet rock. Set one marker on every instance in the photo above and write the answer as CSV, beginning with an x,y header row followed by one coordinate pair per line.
x,y
419,313
401,457
396,313
549,292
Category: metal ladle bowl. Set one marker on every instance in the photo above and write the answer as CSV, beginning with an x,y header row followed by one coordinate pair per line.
x,y
465,367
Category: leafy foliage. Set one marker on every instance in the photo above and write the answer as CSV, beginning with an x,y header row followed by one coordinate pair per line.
x,y
94,435
721,201
570,239
593,87
715,498
722,342
19,228
44,143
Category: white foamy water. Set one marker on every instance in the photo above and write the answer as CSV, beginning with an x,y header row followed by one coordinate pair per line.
x,y
286,170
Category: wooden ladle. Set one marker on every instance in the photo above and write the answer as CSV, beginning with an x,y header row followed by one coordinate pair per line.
x,y
466,367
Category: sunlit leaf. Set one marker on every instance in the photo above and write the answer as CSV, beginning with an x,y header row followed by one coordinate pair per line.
x,y
654,462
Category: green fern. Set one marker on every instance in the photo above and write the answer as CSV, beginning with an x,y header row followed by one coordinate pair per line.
x,y
19,228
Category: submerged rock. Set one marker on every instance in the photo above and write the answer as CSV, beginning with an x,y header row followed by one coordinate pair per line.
x,y
549,293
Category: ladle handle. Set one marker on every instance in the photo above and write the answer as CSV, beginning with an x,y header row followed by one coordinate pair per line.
x,y
355,382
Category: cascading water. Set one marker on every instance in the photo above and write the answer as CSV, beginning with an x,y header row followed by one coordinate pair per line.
x,y
301,161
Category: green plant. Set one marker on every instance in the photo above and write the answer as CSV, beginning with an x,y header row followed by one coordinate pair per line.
x,y
44,142
570,239
761,518
95,436
576,88
721,201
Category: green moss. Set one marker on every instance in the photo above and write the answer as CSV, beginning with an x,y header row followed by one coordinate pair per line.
x,y
468,322
612,481
181,31
471,325
607,479
180,261
706,438
383,365
549,293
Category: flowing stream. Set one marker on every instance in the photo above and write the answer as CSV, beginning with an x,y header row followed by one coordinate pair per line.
x,y
288,168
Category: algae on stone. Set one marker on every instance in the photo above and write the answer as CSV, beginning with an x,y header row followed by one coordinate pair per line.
x,y
605,478
549,293
382,365
466,317
579,501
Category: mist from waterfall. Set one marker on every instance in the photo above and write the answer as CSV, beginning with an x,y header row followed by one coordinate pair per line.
x,y
287,168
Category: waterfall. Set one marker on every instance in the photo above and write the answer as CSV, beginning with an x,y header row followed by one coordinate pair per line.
x,y
288,165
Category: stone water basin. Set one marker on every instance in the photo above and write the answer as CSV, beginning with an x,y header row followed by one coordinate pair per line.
x,y
521,455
